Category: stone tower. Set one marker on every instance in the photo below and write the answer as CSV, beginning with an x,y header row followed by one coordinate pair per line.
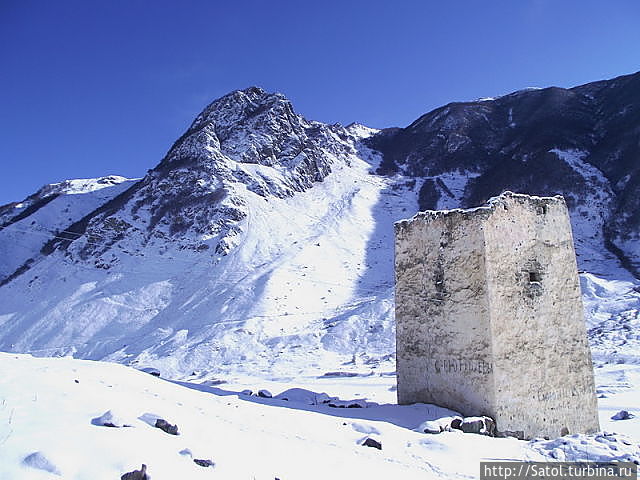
x,y
489,316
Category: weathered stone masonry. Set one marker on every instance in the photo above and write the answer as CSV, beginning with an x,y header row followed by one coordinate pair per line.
x,y
489,316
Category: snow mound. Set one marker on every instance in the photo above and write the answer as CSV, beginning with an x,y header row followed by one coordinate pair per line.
x,y
111,419
307,397
38,461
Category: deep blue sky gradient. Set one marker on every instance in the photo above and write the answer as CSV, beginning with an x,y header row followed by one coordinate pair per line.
x,y
90,88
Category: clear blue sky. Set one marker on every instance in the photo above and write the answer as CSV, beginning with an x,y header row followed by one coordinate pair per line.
x,y
90,88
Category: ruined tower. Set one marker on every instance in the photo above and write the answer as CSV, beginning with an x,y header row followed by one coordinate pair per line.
x,y
489,316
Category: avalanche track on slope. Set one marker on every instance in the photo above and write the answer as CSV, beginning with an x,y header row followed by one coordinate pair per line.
x,y
308,286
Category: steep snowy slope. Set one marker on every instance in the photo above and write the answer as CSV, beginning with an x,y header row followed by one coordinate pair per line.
x,y
262,243
25,227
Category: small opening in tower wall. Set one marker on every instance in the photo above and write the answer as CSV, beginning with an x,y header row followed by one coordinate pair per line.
x,y
534,277
542,210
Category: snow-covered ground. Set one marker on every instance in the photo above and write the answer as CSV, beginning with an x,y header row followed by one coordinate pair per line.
x,y
301,298
51,409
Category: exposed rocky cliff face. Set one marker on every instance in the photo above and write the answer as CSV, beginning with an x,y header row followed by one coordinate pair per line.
x,y
583,143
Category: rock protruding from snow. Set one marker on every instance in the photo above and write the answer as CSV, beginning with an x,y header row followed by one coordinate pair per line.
x,y
167,427
479,425
264,393
370,442
204,462
337,403
622,415
304,396
137,474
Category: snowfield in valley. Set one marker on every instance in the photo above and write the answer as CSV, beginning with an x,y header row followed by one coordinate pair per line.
x,y
50,410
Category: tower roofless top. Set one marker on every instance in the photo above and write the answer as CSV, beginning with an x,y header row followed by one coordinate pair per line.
x,y
491,205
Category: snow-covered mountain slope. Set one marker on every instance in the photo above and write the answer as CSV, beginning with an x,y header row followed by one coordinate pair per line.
x,y
52,426
311,276
262,243
25,227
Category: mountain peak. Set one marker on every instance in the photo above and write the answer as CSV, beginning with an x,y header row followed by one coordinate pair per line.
x,y
244,97
246,141
253,90
253,126
235,107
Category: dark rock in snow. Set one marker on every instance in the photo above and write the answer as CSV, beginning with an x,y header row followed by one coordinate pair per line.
x,y
264,393
480,425
213,383
246,392
622,415
456,423
165,426
151,371
490,426
137,474
472,426
370,442
203,463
